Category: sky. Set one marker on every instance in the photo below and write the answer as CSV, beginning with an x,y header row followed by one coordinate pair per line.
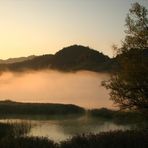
x,y
36,27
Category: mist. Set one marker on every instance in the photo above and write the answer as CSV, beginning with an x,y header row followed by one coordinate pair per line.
x,y
82,88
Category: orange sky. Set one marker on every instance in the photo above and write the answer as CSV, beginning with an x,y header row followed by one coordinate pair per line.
x,y
29,27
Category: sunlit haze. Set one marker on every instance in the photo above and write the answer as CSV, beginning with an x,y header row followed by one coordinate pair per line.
x,y
82,88
34,27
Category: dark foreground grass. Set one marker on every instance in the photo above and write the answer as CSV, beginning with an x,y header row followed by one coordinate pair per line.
x,y
27,142
5,129
116,139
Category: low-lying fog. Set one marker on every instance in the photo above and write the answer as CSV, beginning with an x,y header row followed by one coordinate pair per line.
x,y
81,88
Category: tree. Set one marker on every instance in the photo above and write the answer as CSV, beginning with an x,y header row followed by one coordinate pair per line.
x,y
137,28
129,84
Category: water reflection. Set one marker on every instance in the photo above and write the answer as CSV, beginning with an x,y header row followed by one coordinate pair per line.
x,y
59,130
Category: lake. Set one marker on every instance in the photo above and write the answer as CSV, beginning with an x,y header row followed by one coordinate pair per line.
x,y
63,129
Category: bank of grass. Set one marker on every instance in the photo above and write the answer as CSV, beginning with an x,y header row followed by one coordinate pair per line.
x,y
10,108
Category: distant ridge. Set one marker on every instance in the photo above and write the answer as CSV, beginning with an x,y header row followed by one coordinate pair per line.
x,y
15,60
72,58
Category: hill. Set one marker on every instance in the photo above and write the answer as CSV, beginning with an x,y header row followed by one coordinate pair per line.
x,y
80,58
71,58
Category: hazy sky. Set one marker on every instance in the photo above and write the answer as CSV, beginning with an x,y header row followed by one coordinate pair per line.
x,y
30,27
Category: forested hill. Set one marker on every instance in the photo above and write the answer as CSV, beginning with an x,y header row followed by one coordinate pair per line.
x,y
72,58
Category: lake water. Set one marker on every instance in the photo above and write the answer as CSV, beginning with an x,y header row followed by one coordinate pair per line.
x,y
82,88
59,130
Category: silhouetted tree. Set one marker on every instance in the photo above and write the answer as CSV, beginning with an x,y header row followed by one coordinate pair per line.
x,y
129,84
137,28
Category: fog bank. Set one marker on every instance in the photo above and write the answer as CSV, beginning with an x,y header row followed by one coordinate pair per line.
x,y
81,88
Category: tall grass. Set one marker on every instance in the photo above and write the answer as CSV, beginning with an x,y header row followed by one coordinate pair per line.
x,y
17,129
27,142
116,139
